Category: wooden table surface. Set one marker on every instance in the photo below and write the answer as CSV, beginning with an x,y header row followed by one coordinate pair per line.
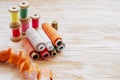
x,y
90,29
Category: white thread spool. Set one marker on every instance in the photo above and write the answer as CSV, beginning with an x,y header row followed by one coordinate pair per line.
x,y
46,40
35,39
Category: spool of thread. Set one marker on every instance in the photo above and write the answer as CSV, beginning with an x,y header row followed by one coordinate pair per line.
x,y
35,21
35,39
54,25
25,25
53,53
15,25
30,49
52,34
24,9
60,48
44,54
16,35
46,39
14,14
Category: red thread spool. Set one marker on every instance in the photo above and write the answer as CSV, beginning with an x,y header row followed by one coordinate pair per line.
x,y
16,32
44,54
35,21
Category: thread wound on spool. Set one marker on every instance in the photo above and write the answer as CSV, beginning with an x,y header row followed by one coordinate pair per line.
x,y
14,14
16,32
35,20
24,9
29,48
52,33
46,39
35,39
25,26
44,54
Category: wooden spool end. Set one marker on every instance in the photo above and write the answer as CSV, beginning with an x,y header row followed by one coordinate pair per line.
x,y
14,9
24,4
35,16
25,19
15,25
16,39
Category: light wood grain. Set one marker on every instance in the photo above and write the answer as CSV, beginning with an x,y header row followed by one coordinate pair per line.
x,y
90,29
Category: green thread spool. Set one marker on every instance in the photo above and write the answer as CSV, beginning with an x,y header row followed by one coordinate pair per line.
x,y
24,9
23,13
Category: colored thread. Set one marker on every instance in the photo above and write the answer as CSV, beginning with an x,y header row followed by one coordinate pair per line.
x,y
30,49
54,25
15,25
23,13
16,32
14,17
35,39
46,39
35,21
14,14
4,55
14,57
24,9
44,54
52,34
25,26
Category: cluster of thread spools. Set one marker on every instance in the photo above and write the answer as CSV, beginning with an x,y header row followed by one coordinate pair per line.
x,y
39,42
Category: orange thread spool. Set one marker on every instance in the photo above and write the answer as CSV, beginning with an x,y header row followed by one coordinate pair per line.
x,y
30,49
52,34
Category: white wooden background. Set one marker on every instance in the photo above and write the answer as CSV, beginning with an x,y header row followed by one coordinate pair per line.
x,y
90,29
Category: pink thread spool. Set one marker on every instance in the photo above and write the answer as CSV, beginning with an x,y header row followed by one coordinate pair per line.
x,y
25,25
35,21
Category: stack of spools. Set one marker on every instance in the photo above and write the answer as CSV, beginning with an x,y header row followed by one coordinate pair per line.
x,y
15,24
38,42
23,16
